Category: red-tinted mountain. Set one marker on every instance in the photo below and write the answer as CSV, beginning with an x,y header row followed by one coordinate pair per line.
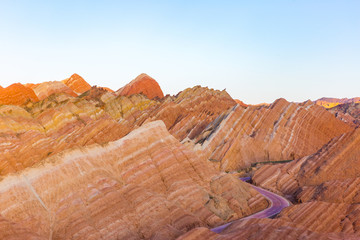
x,y
17,94
77,84
143,84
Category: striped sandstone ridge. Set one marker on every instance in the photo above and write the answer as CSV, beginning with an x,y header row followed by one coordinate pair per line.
x,y
276,229
50,126
77,84
142,84
337,160
347,112
312,220
282,131
145,185
185,115
189,113
17,94
332,102
334,191
59,122
45,89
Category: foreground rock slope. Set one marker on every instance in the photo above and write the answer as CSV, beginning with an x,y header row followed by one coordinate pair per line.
x,y
145,185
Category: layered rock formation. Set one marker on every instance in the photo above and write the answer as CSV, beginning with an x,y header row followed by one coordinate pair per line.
x,y
332,102
282,131
337,160
17,94
142,84
276,229
86,192
347,112
77,84
45,89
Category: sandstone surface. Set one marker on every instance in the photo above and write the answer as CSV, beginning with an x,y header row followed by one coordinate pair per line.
x,y
282,131
339,159
45,89
145,185
17,94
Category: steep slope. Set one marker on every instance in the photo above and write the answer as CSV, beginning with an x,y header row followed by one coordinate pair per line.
x,y
282,131
275,229
334,191
45,89
61,122
337,160
332,102
77,84
142,84
17,94
145,185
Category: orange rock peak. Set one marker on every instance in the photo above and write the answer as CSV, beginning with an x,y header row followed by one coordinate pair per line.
x,y
142,84
17,94
77,83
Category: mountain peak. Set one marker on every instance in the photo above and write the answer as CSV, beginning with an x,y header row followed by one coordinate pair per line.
x,y
77,83
17,94
142,84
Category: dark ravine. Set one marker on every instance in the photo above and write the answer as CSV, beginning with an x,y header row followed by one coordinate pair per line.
x,y
277,203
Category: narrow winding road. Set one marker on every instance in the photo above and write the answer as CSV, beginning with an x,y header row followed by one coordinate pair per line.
x,y
277,203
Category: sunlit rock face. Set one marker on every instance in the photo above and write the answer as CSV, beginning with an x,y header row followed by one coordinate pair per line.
x,y
145,185
282,131
45,89
332,102
77,84
142,84
17,94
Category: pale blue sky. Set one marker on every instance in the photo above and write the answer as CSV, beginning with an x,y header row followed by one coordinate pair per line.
x,y
257,50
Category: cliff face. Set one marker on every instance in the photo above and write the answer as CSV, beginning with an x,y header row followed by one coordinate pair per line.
x,y
17,94
142,84
282,131
145,185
